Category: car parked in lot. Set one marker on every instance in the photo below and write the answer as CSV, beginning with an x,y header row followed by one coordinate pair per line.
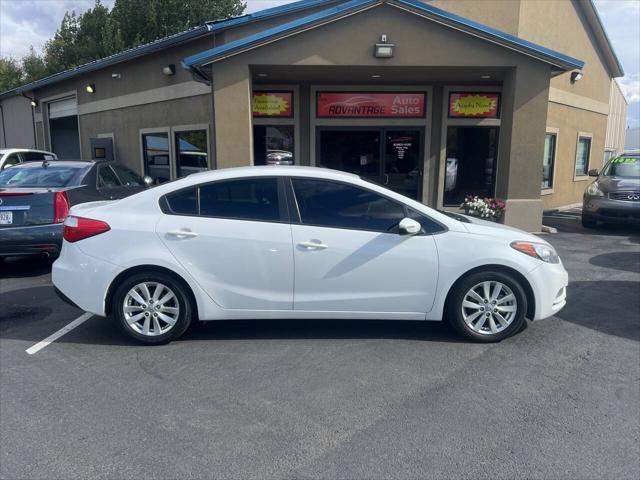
x,y
16,156
614,197
298,242
35,198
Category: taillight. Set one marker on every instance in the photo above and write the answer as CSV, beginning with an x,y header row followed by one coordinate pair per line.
x,y
79,228
60,206
14,194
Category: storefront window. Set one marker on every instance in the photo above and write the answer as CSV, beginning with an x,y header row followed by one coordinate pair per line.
x,y
548,160
470,163
191,152
155,148
582,156
273,145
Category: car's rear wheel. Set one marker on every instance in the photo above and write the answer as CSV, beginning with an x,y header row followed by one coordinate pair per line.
x,y
487,306
152,307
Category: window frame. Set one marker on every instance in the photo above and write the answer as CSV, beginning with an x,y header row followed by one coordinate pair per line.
x,y
555,132
582,177
283,208
187,128
297,217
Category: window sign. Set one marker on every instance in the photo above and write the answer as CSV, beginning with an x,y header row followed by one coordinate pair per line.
x,y
272,104
474,105
370,105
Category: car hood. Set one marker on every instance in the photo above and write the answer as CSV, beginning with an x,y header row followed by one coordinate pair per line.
x,y
614,184
478,226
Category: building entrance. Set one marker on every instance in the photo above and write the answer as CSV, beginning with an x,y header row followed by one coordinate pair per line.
x,y
389,156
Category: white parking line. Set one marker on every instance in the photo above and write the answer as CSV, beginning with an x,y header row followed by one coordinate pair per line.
x,y
64,330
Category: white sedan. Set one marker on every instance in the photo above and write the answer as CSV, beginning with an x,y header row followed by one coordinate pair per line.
x,y
299,242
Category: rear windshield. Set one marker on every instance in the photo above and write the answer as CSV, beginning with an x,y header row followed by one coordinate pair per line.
x,y
51,176
623,167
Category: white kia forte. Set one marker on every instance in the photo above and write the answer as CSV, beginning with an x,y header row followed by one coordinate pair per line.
x,y
298,242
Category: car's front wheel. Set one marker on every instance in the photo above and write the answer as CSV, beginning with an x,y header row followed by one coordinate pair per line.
x,y
588,222
487,306
152,307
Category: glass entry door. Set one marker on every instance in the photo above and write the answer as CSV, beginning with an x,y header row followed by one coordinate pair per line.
x,y
388,156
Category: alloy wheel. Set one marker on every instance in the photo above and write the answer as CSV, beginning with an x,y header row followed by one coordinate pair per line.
x,y
489,307
151,308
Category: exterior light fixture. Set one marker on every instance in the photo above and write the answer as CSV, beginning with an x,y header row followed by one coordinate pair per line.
x,y
384,49
376,76
91,88
485,77
116,76
262,75
576,76
169,70
34,102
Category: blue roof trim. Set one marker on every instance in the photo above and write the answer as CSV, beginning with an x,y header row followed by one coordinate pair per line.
x,y
503,37
165,42
557,59
193,61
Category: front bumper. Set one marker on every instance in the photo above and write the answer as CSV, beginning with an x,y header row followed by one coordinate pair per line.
x,y
549,282
604,209
31,240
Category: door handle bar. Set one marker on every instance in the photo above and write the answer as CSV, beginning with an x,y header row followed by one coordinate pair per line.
x,y
313,245
182,233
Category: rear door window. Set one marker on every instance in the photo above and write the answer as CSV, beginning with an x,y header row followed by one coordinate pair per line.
x,y
246,199
107,178
34,156
337,205
183,202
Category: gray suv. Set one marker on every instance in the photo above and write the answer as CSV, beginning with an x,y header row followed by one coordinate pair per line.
x,y
614,197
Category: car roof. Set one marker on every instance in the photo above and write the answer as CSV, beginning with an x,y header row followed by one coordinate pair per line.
x,y
13,150
66,163
272,170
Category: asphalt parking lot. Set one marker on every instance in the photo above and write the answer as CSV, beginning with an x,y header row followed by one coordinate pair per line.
x,y
318,399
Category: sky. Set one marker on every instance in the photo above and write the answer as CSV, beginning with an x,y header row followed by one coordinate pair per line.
x,y
33,22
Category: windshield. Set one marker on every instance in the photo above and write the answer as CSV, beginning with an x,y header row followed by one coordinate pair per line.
x,y
128,177
51,176
623,167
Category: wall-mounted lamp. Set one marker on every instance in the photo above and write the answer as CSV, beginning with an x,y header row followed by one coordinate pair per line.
x,y
116,76
576,76
169,70
91,88
384,49
34,102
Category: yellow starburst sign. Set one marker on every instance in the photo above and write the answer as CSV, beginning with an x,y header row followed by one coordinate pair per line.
x,y
272,104
483,105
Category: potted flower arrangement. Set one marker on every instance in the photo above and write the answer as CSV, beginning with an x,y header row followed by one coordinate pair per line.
x,y
486,208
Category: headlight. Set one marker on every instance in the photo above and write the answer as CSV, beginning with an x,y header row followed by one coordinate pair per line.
x,y
594,190
543,252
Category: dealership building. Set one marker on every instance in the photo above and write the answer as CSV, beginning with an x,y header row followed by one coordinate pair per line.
x,y
434,99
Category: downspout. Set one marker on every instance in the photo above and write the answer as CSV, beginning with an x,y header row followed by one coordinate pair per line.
x,y
4,133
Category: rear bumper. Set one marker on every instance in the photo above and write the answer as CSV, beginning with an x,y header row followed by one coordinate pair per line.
x,y
549,282
83,280
604,209
31,240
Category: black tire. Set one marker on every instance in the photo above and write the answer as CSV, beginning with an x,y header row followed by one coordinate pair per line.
x,y
588,222
182,299
457,295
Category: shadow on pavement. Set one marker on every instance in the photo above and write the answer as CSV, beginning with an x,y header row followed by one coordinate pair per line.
x,y
626,261
611,307
570,222
21,267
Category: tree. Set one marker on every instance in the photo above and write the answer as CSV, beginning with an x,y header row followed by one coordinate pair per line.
x,y
61,51
10,74
33,66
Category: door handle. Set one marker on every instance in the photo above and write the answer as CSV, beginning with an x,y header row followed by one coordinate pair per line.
x,y
386,179
311,245
182,233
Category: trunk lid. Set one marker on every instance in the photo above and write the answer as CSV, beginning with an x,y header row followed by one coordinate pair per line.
x,y
27,206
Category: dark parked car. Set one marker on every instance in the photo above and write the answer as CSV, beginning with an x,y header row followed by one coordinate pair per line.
x,y
36,197
614,197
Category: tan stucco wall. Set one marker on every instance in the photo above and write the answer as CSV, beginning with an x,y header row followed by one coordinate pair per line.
x,y
560,25
570,121
16,123
501,14
617,121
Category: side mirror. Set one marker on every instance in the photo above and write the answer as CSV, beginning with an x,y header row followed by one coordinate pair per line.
x,y
593,172
148,181
408,226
